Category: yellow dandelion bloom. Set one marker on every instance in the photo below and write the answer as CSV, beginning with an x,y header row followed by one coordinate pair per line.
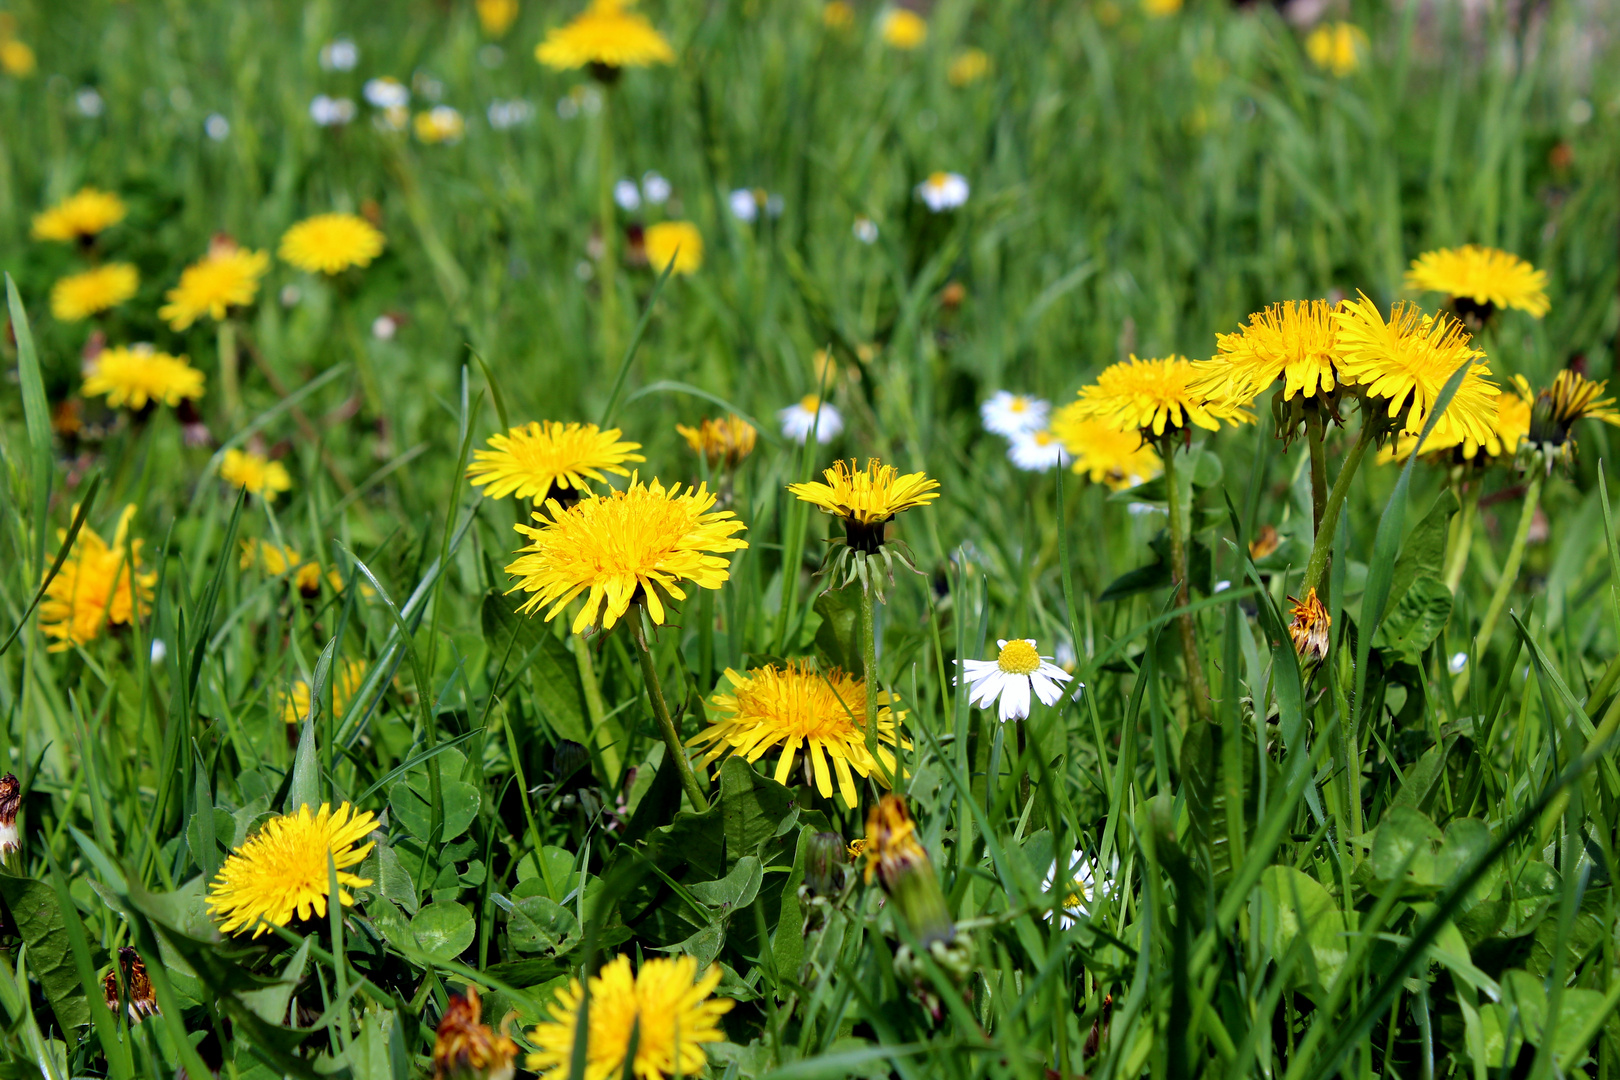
x,y
1291,341
79,216
228,276
968,67
678,240
440,124
543,460
16,58
465,1048
331,243
622,547
1571,397
133,376
724,441
869,496
282,870
794,706
605,35
278,560
79,296
1512,427
1160,9
1483,277
837,15
99,585
1407,361
257,473
346,681
1152,395
497,17
666,1005
1336,47
903,29
1105,454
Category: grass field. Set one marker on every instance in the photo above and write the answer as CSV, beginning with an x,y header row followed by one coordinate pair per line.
x,y
1385,851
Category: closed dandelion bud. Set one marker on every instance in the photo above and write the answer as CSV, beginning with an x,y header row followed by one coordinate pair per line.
x,y
902,867
826,864
10,803
1309,629
466,1048
142,999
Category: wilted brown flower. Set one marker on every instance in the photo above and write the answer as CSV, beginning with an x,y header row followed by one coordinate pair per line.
x,y
466,1048
10,803
1309,628
1264,543
142,1000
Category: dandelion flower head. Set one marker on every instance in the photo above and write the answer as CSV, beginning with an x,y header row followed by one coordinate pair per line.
x,y
137,374
869,496
666,1005
1104,453
726,440
1292,341
257,473
79,217
99,585
1336,47
331,243
1485,277
625,546
606,34
677,240
1571,397
903,29
346,678
228,276
17,58
79,296
278,560
1511,428
282,871
968,67
532,461
794,706
1155,395
496,17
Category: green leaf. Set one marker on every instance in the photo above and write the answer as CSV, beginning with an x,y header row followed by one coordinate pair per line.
x,y
271,1003
838,638
735,890
459,802
34,912
1294,903
37,415
555,868
557,689
1419,617
1423,779
1405,834
390,877
787,943
540,924
378,1052
1423,553
443,930
753,809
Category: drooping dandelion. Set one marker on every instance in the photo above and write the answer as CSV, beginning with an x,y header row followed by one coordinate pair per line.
x,y
724,441
1571,398
281,872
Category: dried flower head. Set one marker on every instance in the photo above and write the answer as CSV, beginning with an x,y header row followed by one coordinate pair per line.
x,y
1308,629
137,985
465,1048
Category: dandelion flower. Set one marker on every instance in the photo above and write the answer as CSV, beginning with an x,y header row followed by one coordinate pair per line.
x,y
724,441
608,36
282,870
1084,883
968,67
1155,395
1035,451
666,1006
16,58
1292,341
278,560
80,216
99,585
1336,47
1105,454
440,124
624,547
548,460
943,191
1308,628
1010,414
1571,397
677,240
257,473
1016,671
903,29
228,276
808,414
79,296
866,499
1511,428
1160,9
903,868
796,705
465,1048
837,15
1407,362
496,17
331,243
1481,279
346,681
133,376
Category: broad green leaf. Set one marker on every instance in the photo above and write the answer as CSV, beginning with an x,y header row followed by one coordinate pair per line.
x,y
1419,617
557,688
539,924
38,920
458,803
390,877
555,868
735,890
443,930
1405,834
838,638
1293,903
1423,553
271,1003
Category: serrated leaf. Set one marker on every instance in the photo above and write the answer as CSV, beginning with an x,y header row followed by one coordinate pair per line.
x,y
1417,620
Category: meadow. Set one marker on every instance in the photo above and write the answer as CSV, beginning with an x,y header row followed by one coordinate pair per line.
x,y
453,623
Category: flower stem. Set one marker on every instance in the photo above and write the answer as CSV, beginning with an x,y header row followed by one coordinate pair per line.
x,y
1315,436
608,265
1197,685
1458,561
1316,569
672,738
229,381
869,676
1510,568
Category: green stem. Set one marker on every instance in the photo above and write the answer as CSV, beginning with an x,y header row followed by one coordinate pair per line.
x,y
1510,568
229,379
600,733
1197,685
609,263
869,675
1316,437
672,738
1316,569
1457,562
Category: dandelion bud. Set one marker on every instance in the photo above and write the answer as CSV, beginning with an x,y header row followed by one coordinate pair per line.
x,y
142,1000
466,1048
826,865
10,802
902,867
1309,629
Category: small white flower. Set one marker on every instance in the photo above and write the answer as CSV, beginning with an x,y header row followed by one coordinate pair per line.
x,y
1035,451
216,127
159,650
384,327
339,55
387,92
627,195
1222,586
866,230
943,191
88,102
330,111
1458,662
1011,415
744,207
1082,887
800,418
1011,676
654,188
509,114
1137,509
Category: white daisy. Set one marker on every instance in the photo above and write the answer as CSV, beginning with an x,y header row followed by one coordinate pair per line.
x,y
627,193
1011,676
1083,886
330,111
1012,415
1035,451
799,418
386,92
866,230
943,191
654,187
744,206
339,55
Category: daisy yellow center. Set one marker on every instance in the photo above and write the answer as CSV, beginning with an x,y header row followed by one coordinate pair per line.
x,y
1019,404
1044,438
938,180
1018,657
810,403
